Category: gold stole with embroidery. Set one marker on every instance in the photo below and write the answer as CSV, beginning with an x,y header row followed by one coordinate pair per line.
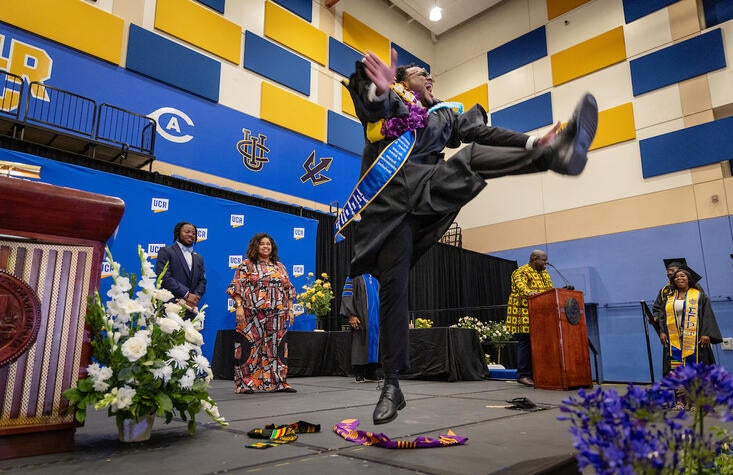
x,y
685,345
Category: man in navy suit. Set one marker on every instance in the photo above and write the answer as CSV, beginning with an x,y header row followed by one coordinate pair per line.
x,y
185,277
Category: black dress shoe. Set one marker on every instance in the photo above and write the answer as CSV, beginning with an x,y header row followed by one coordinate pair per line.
x,y
389,403
526,380
288,390
572,143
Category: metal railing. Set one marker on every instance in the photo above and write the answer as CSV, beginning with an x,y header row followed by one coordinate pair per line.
x,y
59,109
128,129
12,87
55,110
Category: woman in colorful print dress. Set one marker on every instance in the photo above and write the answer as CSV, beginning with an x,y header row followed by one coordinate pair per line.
x,y
263,299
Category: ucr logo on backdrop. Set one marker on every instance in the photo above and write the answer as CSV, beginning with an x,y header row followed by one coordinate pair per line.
x,y
202,234
153,249
28,62
298,270
169,124
159,205
314,171
236,220
234,261
253,150
298,233
106,270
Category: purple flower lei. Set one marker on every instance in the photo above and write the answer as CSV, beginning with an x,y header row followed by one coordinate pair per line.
x,y
417,118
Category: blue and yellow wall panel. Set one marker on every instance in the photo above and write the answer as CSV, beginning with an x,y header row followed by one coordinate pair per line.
x,y
526,115
362,38
196,24
276,63
295,33
518,52
589,56
685,60
341,58
717,11
217,5
292,112
172,63
347,104
70,22
615,125
404,58
555,8
345,133
635,9
302,8
692,147
477,95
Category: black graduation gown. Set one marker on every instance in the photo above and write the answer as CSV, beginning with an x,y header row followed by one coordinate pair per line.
x,y
427,186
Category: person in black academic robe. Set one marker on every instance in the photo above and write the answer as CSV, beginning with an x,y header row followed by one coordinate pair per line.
x,y
415,208
360,307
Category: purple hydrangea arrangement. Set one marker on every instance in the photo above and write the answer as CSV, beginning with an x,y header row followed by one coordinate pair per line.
x,y
640,432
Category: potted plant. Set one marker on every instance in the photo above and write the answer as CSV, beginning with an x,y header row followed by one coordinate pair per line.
x,y
146,359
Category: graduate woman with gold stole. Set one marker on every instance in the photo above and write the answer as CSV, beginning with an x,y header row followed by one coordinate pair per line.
x,y
691,327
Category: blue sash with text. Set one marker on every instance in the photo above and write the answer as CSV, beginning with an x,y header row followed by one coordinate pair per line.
x,y
384,168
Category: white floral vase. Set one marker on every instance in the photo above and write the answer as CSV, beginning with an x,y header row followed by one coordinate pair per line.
x,y
131,430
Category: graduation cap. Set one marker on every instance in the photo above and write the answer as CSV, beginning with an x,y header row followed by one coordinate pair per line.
x,y
694,277
678,261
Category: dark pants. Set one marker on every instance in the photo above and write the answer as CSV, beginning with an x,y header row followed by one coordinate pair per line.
x,y
524,355
393,272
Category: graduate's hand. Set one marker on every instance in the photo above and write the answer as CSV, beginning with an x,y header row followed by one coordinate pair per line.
x,y
664,339
378,72
704,341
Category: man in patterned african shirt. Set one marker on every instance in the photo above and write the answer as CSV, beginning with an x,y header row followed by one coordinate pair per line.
x,y
527,280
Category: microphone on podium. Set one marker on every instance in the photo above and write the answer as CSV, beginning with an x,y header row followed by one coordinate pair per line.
x,y
567,283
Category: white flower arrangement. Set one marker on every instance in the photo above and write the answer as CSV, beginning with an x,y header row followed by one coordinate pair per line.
x,y
491,331
146,359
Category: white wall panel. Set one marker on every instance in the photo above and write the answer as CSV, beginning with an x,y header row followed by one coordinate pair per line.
x,y
582,23
721,82
455,81
612,173
659,129
647,33
504,199
537,10
239,90
657,107
506,22
610,86
249,14
514,86
542,70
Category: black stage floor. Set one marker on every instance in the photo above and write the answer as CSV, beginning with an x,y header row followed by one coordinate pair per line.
x,y
500,440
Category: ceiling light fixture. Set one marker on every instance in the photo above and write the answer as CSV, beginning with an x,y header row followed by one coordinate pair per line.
x,y
436,13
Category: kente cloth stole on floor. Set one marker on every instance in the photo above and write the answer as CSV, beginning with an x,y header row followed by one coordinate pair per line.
x,y
348,430
680,349
278,435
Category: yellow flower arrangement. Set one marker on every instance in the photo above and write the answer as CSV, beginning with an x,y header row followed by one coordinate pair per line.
x,y
423,323
317,295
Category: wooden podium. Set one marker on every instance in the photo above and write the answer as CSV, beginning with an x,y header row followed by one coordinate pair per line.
x,y
560,355
51,248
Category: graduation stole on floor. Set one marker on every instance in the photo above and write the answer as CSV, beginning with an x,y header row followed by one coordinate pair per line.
x,y
348,430
683,346
384,168
278,435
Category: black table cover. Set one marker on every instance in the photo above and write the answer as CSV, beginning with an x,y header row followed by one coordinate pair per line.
x,y
443,353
